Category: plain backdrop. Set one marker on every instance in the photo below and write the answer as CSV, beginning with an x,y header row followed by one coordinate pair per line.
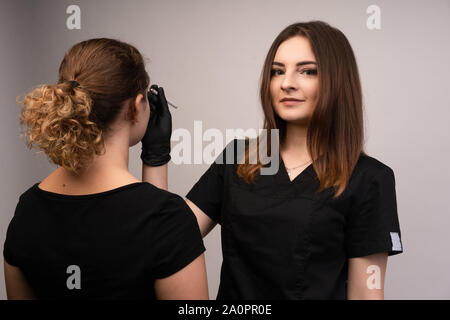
x,y
208,56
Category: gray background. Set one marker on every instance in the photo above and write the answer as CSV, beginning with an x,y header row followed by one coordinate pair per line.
x,y
208,56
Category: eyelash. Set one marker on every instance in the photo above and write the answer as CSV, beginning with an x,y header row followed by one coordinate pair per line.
x,y
273,72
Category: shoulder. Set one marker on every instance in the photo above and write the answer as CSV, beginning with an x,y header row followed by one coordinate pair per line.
x,y
158,199
140,198
25,208
30,192
369,173
226,161
232,152
27,198
167,210
369,167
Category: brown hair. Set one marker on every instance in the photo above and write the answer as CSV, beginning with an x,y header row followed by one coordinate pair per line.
x,y
335,132
69,122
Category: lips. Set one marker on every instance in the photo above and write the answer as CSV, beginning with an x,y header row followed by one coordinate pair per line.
x,y
291,99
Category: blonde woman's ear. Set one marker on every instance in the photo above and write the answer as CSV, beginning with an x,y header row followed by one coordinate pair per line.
x,y
139,99
132,111
139,105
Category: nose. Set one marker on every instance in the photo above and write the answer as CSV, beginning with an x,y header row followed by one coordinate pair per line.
x,y
289,82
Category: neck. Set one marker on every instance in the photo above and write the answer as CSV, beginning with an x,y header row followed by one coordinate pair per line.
x,y
294,151
107,169
115,158
295,139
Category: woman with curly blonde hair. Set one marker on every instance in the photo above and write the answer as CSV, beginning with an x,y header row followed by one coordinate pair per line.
x,y
91,230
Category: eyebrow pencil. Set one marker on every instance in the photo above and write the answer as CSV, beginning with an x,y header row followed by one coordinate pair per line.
x,y
156,93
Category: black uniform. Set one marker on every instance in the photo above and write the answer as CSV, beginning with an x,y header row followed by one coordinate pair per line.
x,y
282,240
120,241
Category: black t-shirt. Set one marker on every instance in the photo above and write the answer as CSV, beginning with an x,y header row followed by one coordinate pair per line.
x,y
109,245
282,240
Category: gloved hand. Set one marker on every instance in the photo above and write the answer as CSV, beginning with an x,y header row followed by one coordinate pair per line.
x,y
156,141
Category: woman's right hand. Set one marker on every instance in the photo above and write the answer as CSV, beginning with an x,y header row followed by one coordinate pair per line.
x,y
156,141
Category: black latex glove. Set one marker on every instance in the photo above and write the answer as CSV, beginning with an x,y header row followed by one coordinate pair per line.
x,y
156,141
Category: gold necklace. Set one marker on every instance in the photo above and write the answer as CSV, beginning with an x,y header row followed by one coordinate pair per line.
x,y
290,169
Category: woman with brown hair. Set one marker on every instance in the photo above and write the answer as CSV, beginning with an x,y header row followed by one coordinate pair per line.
x,y
91,230
328,218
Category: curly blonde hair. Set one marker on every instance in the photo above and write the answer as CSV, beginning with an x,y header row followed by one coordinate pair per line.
x,y
68,122
56,119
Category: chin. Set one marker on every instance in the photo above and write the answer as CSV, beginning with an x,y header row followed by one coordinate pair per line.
x,y
298,121
295,117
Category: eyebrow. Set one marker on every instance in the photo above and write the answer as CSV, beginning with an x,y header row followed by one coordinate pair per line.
x,y
297,65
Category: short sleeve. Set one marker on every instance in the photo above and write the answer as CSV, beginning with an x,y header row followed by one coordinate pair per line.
x,y
373,224
9,247
207,193
13,245
176,238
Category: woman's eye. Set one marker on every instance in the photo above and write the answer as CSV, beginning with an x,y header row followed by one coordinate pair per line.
x,y
310,72
276,72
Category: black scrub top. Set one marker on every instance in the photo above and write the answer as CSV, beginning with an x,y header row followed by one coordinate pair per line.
x,y
282,240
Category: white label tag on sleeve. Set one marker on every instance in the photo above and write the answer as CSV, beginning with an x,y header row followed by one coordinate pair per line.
x,y
396,243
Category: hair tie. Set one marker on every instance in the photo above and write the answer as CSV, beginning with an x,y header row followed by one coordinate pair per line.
x,y
74,83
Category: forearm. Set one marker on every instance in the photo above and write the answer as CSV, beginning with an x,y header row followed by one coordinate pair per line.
x,y
158,176
366,277
17,287
364,294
